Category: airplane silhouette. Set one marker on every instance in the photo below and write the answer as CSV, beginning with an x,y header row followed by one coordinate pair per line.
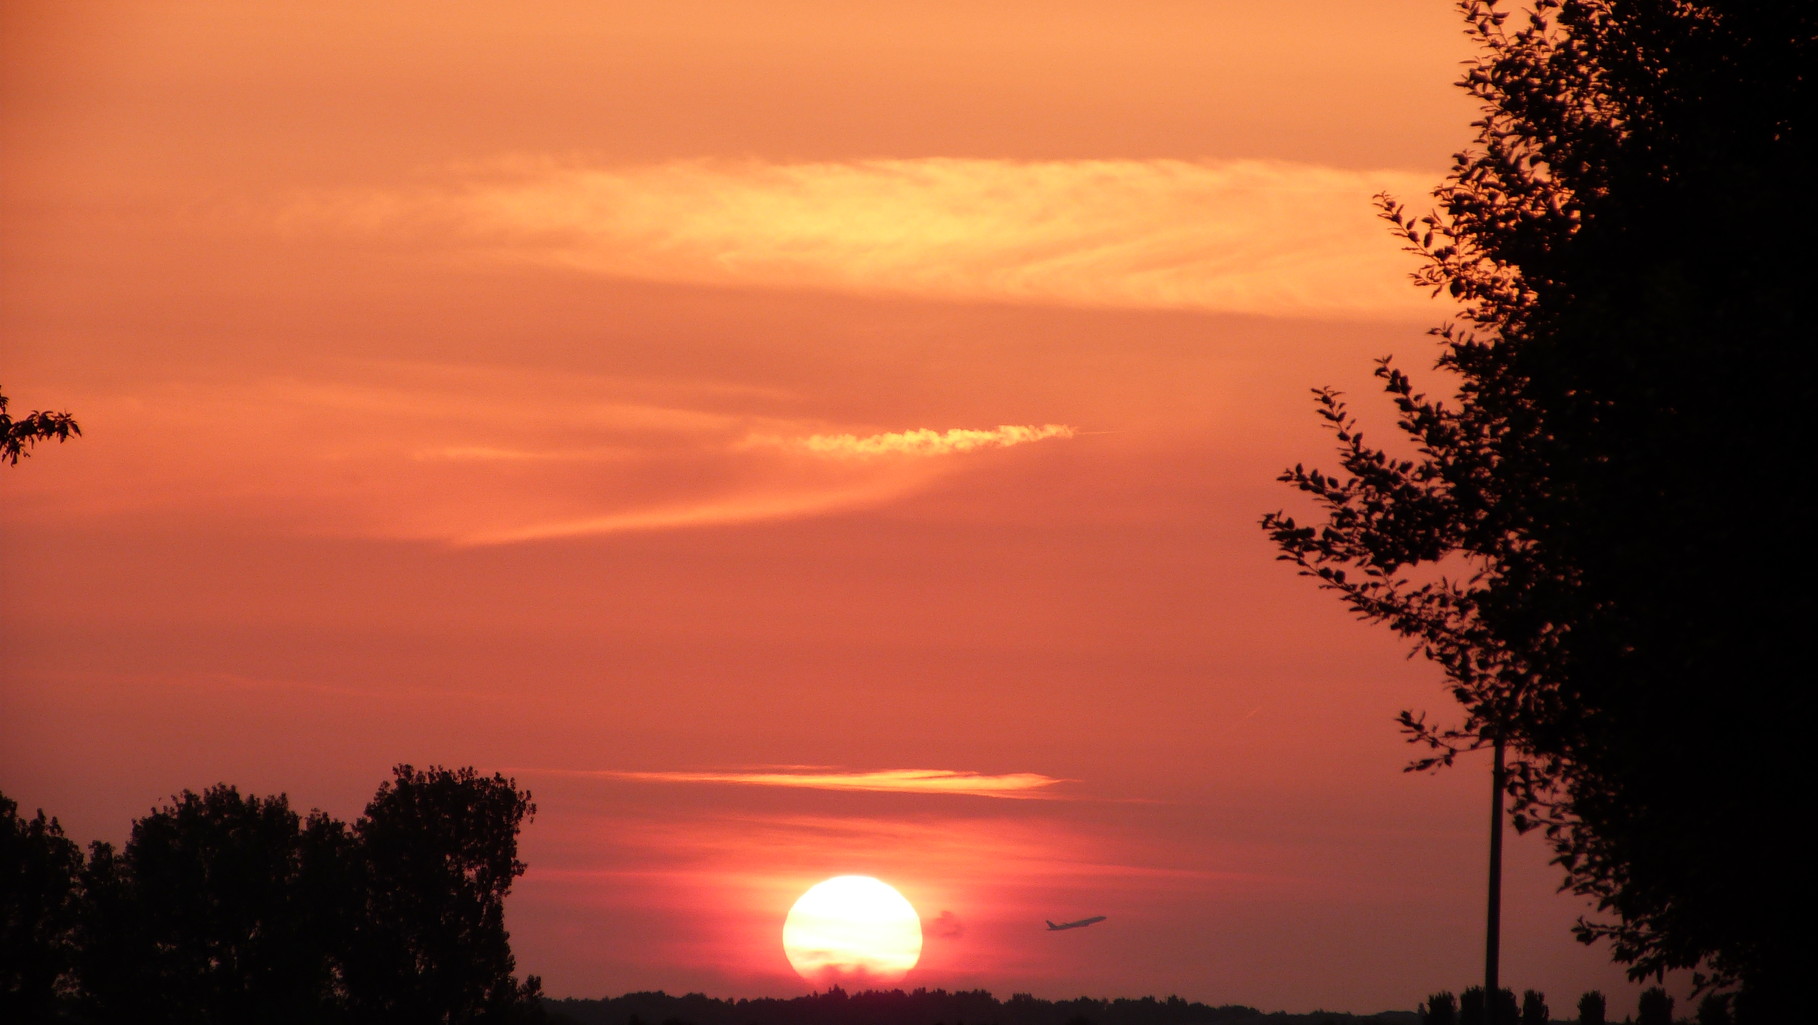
x,y
1075,925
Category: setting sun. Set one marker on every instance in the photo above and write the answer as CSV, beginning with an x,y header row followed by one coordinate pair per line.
x,y
852,931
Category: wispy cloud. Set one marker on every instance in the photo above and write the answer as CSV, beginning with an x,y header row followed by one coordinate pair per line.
x,y
1244,236
921,442
497,454
788,500
584,456
1023,785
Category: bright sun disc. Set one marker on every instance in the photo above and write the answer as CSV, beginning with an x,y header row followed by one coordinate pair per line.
x,y
853,932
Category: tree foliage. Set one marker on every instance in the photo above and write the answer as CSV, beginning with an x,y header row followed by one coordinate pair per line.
x,y
224,908
1581,537
234,908
18,436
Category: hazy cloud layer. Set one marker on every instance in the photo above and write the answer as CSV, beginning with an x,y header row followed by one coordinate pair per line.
x,y
1242,236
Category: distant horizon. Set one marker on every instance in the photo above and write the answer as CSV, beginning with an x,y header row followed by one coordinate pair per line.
x,y
907,990
1559,1010
909,987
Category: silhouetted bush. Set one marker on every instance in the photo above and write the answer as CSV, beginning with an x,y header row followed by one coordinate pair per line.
x,y
1714,1009
1655,1008
1440,1009
1471,1010
1591,1009
1534,1008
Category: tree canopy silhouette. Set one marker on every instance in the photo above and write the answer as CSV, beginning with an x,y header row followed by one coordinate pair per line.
x,y
223,908
1591,1008
39,892
439,853
1654,1008
229,908
1584,537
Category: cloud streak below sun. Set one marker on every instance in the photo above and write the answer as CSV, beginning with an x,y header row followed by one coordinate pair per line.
x,y
1016,785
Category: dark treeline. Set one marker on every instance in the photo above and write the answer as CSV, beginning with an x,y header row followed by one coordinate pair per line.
x,y
223,908
1655,1007
929,1007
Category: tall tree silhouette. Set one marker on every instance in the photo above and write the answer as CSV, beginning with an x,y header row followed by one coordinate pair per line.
x,y
18,436
1579,537
438,855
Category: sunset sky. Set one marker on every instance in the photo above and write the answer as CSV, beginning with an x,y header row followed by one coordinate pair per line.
x,y
707,412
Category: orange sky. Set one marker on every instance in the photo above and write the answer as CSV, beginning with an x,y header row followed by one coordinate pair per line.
x,y
698,409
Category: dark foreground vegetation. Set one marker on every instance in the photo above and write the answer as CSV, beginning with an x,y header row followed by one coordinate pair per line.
x,y
929,1007
223,909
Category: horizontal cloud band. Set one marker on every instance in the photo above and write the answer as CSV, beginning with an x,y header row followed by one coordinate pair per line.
x,y
1241,236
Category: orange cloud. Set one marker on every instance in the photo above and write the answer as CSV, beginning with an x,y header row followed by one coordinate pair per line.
x,y
1023,785
1248,236
920,442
